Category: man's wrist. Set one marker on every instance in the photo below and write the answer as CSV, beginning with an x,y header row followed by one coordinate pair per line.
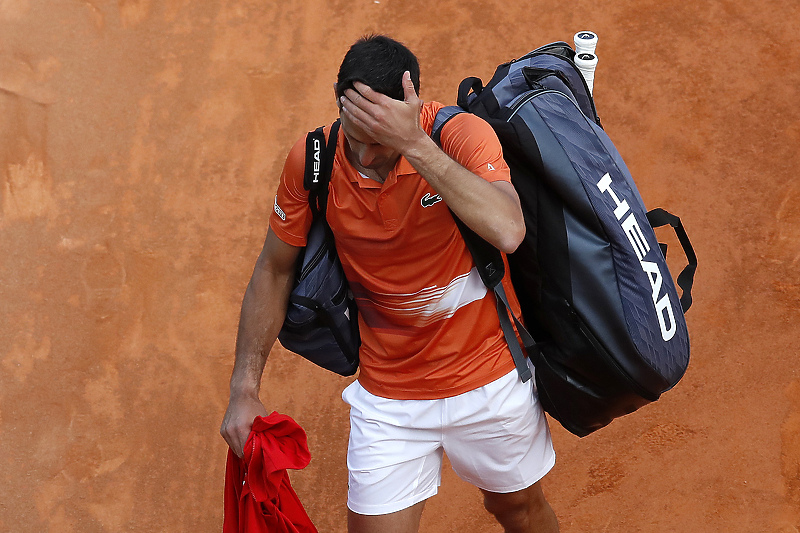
x,y
244,387
420,147
243,394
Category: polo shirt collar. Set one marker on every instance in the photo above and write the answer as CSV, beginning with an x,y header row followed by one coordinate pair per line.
x,y
403,167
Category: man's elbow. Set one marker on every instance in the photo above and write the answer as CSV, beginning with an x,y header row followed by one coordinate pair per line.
x,y
511,237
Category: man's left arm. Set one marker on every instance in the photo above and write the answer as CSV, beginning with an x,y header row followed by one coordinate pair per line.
x,y
491,209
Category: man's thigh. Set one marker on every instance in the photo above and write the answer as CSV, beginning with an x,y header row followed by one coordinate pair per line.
x,y
497,437
394,456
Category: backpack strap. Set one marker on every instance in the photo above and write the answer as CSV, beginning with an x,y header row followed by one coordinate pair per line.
x,y
531,348
487,258
319,166
490,265
443,116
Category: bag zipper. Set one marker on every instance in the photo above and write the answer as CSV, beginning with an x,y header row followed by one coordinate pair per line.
x,y
314,261
530,96
545,50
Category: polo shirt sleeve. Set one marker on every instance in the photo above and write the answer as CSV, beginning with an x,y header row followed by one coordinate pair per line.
x,y
291,214
472,142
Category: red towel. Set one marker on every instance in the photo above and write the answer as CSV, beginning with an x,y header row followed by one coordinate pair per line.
x,y
258,495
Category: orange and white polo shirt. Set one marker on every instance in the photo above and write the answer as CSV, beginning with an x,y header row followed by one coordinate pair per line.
x,y
429,326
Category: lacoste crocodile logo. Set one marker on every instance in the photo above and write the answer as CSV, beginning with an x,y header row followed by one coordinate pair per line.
x,y
429,200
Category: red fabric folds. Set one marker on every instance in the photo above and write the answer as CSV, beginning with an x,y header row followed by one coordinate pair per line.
x,y
258,495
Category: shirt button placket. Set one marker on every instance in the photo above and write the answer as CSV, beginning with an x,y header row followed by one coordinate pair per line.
x,y
388,216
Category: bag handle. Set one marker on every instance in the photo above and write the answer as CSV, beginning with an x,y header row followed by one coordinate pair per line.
x,y
327,318
467,86
659,217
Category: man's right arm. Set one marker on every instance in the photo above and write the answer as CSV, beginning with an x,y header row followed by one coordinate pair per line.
x,y
263,312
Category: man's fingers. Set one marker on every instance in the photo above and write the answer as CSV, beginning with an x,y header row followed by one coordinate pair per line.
x,y
236,439
409,92
360,100
231,437
238,422
354,113
363,117
356,106
238,449
366,92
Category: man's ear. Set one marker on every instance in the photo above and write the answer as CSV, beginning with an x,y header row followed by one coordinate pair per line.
x,y
336,96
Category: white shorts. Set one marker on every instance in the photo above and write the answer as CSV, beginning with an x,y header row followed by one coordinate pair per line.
x,y
496,438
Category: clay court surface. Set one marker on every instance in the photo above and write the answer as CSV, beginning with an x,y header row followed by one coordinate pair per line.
x,y
140,144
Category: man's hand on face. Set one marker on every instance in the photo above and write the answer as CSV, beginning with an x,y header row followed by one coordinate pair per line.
x,y
388,121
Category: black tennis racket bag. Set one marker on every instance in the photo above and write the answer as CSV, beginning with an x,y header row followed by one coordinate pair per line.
x,y
591,277
321,321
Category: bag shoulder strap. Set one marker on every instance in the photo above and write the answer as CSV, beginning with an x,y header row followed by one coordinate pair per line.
x,y
443,116
490,265
487,258
319,166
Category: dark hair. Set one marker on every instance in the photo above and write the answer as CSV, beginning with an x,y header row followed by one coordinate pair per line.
x,y
378,61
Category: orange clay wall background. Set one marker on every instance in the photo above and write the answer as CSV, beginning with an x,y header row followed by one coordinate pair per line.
x,y
140,144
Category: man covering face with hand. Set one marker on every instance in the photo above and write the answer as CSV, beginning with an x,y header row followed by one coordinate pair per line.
x,y
436,374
